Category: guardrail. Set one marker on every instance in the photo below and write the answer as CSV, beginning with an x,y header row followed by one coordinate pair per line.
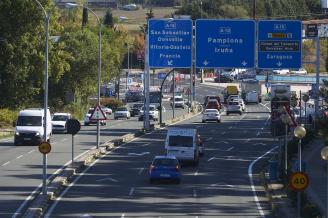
x,y
291,78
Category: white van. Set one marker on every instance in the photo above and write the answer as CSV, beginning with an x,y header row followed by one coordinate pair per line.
x,y
29,126
183,144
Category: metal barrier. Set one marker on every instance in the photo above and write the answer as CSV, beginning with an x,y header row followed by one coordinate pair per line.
x,y
291,78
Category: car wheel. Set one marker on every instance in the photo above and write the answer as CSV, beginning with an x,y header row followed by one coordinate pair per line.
x,y
240,113
227,114
203,121
219,121
86,124
115,118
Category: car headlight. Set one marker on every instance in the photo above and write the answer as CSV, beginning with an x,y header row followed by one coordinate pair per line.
x,y
17,133
37,134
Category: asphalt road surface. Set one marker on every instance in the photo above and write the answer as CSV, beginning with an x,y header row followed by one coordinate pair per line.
x,y
225,183
21,166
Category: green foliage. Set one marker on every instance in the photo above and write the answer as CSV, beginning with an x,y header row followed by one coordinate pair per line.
x,y
112,103
108,19
7,117
77,109
285,9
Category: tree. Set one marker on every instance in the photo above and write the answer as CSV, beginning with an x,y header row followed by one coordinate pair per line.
x,y
149,15
108,20
22,52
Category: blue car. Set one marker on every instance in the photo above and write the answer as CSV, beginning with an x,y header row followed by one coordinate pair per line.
x,y
165,168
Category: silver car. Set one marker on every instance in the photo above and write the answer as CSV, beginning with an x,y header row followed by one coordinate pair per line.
x,y
234,107
211,115
122,112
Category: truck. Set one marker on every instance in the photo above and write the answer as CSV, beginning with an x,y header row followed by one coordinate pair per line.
x,y
280,104
251,91
230,90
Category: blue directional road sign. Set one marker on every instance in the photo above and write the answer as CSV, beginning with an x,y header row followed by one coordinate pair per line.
x,y
161,75
279,44
225,43
170,43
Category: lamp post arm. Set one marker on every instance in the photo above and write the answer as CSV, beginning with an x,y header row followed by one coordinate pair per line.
x,y
43,9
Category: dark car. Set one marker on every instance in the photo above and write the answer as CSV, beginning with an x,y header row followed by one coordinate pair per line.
x,y
210,97
135,109
134,96
223,79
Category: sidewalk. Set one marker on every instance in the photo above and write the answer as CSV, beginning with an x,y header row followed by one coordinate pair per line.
x,y
316,170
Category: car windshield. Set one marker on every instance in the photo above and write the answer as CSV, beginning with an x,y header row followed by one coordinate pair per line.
x,y
180,141
137,106
90,111
234,103
29,121
211,111
60,118
121,109
178,99
165,162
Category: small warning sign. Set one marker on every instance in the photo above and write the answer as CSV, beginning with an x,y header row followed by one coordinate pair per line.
x,y
98,114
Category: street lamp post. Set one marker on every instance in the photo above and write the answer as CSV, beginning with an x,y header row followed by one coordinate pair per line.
x,y
47,20
324,156
127,73
73,5
286,120
299,132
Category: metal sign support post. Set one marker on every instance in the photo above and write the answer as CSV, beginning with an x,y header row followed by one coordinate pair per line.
x,y
47,19
316,102
72,149
300,170
173,105
286,149
146,86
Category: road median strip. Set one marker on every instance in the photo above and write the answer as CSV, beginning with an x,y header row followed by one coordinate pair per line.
x,y
40,203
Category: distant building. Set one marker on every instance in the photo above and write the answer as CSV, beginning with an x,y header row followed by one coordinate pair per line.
x,y
92,3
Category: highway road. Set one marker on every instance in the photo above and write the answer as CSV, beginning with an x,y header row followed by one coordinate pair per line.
x,y
225,184
21,166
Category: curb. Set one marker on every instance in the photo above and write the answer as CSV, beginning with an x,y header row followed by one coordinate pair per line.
x,y
40,203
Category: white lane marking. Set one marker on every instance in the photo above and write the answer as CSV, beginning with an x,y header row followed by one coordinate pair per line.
x,y
131,191
260,143
19,156
224,142
229,149
196,173
108,178
222,133
5,163
53,143
194,193
63,140
230,127
53,206
209,139
141,154
247,140
265,105
212,158
258,134
250,175
222,184
140,171
123,215
86,216
30,152
145,144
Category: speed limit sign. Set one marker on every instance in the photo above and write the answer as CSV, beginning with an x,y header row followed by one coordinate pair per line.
x,y
298,181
